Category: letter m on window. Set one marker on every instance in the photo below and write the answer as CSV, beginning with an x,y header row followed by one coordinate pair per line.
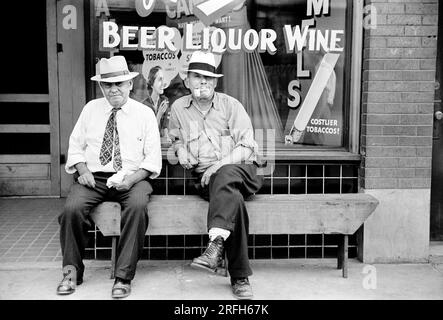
x,y
318,5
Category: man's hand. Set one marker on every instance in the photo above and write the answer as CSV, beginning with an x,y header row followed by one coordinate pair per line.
x,y
85,176
184,158
208,173
126,184
87,179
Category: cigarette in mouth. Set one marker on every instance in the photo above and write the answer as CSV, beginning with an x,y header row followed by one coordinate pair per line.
x,y
197,93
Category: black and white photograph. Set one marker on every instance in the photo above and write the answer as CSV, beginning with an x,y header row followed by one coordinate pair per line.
x,y
220,156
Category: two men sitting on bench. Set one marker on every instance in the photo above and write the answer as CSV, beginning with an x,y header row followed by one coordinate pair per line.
x,y
115,146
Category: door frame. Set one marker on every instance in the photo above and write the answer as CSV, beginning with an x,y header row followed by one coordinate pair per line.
x,y
54,116
72,80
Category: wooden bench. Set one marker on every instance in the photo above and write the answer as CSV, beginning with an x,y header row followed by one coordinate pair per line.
x,y
268,214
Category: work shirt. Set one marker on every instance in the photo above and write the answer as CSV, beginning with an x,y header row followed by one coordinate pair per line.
x,y
138,135
211,136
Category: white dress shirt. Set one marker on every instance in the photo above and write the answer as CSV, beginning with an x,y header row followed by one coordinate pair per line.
x,y
138,133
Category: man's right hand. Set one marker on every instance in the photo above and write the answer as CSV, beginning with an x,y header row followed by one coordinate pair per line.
x,y
87,179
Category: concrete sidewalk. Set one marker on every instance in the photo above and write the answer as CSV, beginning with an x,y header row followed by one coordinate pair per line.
x,y
272,280
30,269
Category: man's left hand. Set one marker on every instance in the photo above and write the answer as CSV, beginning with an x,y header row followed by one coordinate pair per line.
x,y
125,185
208,173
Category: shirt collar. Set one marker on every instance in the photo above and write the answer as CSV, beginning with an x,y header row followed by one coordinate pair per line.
x,y
215,101
124,108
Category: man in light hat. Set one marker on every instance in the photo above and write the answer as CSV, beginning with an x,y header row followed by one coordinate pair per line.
x,y
212,134
113,149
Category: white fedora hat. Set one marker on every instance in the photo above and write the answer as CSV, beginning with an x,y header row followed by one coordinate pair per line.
x,y
203,63
114,69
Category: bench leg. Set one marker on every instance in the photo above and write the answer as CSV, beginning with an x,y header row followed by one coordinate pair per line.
x,y
340,254
113,256
345,256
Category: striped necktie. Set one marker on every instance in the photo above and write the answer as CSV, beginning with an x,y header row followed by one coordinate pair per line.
x,y
111,141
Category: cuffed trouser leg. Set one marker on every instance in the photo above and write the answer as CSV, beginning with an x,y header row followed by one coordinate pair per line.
x,y
227,210
74,223
134,223
237,243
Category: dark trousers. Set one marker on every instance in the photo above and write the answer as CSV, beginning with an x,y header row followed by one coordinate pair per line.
x,y
74,222
226,192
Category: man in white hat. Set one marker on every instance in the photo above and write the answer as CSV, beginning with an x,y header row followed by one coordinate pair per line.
x,y
113,149
213,135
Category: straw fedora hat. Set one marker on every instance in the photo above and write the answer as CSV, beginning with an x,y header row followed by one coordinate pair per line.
x,y
203,63
114,69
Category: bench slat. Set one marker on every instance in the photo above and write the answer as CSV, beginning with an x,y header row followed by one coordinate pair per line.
x,y
269,214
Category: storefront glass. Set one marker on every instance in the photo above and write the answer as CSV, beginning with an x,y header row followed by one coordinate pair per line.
x,y
295,98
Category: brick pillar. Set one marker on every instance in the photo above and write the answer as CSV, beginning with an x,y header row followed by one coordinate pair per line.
x,y
397,121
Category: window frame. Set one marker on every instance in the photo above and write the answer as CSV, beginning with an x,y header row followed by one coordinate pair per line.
x,y
350,151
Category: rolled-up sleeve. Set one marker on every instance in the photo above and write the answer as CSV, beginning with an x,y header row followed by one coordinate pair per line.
x,y
77,144
241,128
152,161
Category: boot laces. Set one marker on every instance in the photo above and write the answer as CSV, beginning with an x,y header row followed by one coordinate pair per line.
x,y
212,248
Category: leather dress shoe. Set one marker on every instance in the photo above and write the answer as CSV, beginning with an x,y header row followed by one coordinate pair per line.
x,y
212,259
67,286
241,288
121,288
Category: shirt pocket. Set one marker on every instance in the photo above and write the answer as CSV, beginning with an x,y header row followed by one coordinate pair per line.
x,y
135,150
226,144
94,137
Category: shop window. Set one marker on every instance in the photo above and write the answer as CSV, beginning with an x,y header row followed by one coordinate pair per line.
x,y
299,100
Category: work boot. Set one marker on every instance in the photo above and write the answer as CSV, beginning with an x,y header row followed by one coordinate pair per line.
x,y
241,288
213,258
